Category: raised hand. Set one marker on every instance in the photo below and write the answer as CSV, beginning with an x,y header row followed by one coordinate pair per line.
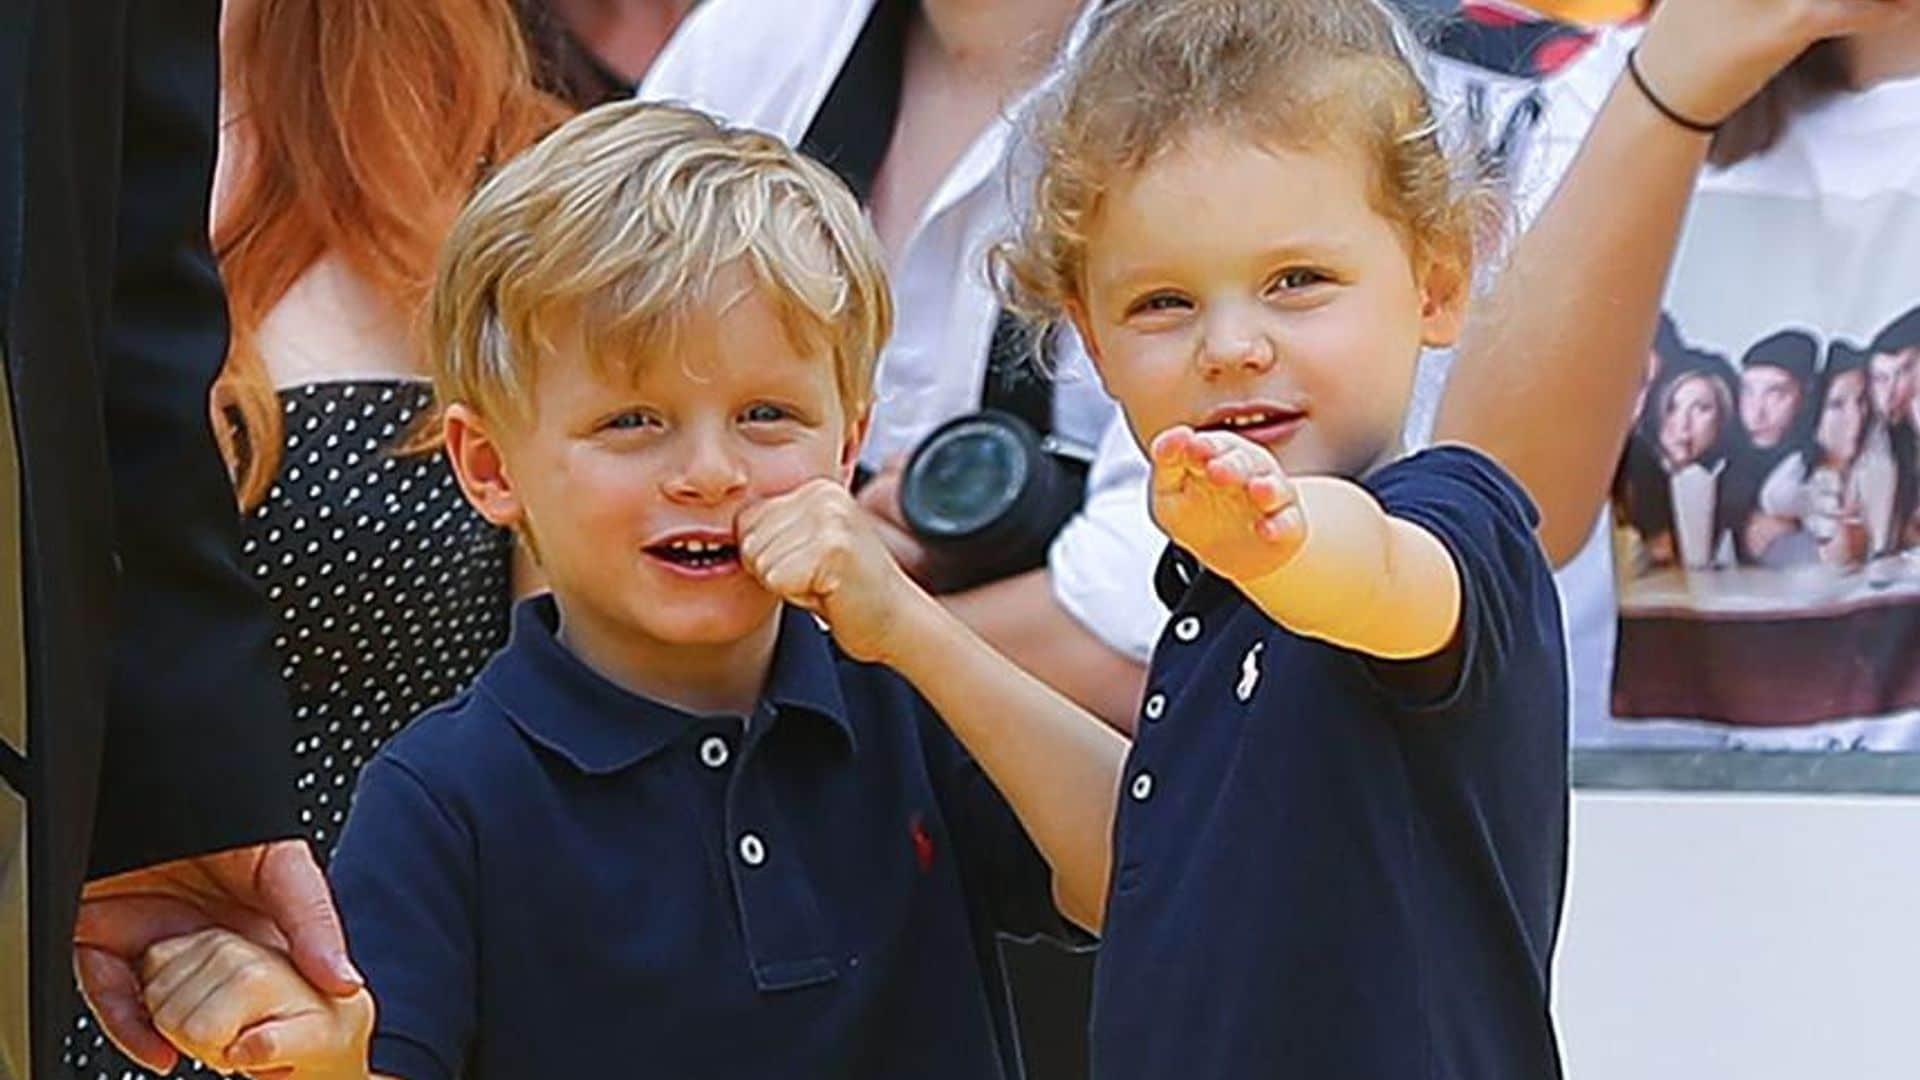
x,y
1705,58
1226,500
815,548
240,1006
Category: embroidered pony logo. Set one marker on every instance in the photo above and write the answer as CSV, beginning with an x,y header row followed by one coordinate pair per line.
x,y
922,842
1249,672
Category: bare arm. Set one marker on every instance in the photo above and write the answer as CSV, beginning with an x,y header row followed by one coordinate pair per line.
x,y
1319,555
1055,763
1363,579
1549,367
1021,618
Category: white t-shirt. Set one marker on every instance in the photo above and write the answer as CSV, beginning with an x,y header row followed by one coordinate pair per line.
x,y
770,66
1819,235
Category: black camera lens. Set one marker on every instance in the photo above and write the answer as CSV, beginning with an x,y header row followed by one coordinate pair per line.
x,y
987,493
964,478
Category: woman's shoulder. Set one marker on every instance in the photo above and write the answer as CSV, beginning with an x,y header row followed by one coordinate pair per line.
x,y
332,324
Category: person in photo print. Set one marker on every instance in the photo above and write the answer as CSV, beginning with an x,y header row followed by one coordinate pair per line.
x,y
1893,371
1689,420
1762,491
1837,514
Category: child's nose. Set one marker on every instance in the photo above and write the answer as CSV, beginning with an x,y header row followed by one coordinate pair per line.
x,y
1234,346
709,472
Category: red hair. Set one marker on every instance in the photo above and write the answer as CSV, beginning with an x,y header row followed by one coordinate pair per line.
x,y
369,122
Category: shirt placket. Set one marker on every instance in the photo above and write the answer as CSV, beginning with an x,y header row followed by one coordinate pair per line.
x,y
786,938
1181,645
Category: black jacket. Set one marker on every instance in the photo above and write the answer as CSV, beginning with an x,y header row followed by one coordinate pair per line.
x,y
155,720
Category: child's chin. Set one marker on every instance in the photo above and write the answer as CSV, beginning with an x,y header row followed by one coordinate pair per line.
x,y
716,624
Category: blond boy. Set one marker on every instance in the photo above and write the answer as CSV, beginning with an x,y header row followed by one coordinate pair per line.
x,y
671,829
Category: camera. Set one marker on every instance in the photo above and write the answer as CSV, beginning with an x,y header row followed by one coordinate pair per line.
x,y
987,494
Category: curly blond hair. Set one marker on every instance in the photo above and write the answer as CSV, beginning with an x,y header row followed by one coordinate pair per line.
x,y
616,227
1292,73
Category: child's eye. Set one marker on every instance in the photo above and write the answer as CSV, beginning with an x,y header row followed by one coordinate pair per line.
x,y
765,414
1158,302
633,420
1298,278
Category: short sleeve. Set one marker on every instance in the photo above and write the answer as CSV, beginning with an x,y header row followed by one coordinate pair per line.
x,y
1101,565
1001,869
403,877
1487,523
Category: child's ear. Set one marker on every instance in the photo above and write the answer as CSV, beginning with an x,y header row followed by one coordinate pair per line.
x,y
1446,287
481,469
855,441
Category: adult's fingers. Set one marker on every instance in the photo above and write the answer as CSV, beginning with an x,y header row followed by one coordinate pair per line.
x,y
294,894
112,991
1863,16
127,925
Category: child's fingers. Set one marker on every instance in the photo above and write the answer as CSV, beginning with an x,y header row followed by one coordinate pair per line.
x,y
1270,493
1286,525
1170,446
162,954
248,996
769,532
1234,466
187,961
795,567
284,1043
1175,463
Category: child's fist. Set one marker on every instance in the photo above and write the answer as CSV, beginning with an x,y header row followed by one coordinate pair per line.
x,y
815,548
237,1005
1226,500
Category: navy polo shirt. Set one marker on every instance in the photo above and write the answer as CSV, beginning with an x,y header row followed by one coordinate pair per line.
x,y
1336,867
550,876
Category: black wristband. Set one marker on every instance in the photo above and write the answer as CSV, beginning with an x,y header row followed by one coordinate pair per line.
x,y
1668,111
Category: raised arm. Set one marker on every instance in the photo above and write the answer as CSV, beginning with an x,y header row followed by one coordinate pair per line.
x,y
1552,360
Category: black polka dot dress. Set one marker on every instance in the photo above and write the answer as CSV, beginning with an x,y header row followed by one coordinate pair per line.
x,y
389,594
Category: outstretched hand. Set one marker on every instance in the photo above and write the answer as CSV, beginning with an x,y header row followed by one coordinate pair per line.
x,y
273,894
1227,500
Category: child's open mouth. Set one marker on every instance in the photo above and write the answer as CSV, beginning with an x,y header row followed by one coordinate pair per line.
x,y
1265,424
697,556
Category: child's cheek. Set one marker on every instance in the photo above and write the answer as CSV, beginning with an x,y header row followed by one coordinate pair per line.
x,y
778,470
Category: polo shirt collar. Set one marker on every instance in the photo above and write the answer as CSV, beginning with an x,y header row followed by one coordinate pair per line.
x,y
558,701
1183,582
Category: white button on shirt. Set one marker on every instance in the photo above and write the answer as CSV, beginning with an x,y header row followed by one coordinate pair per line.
x,y
752,851
770,66
1143,787
1188,628
713,752
1156,706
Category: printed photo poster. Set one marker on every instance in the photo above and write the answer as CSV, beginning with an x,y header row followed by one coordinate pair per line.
x,y
1766,516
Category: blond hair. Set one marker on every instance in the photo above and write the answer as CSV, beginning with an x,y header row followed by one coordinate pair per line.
x,y
1294,73
614,228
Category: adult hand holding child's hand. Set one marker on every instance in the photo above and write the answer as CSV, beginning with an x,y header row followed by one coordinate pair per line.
x,y
238,1005
1225,499
815,548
